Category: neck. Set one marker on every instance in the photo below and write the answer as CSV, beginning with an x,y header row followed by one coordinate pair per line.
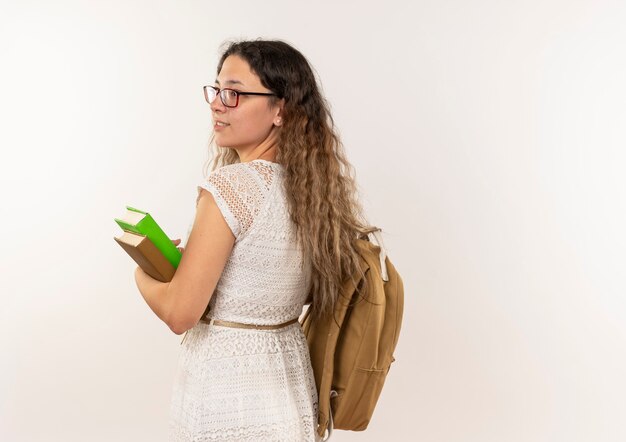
x,y
264,151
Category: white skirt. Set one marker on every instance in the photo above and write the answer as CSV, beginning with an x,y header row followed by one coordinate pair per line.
x,y
243,385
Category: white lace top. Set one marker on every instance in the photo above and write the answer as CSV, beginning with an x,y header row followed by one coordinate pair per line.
x,y
242,384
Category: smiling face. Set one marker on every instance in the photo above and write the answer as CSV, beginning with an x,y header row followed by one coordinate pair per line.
x,y
253,121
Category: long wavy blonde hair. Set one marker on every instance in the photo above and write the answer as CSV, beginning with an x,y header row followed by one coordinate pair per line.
x,y
319,181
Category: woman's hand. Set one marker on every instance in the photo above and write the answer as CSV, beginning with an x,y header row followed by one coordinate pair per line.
x,y
176,242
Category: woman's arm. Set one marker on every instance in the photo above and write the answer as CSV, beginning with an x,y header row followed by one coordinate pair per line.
x,y
155,293
209,247
181,302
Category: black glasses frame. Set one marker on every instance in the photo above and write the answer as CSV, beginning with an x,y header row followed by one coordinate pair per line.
x,y
219,92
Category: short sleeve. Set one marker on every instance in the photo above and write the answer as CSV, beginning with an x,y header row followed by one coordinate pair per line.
x,y
238,192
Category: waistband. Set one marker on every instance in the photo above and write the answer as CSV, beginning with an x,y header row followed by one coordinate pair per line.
x,y
211,321
230,324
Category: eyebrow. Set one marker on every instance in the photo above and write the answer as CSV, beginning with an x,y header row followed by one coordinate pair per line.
x,y
230,82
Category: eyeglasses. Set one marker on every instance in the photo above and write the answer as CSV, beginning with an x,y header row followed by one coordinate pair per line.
x,y
229,97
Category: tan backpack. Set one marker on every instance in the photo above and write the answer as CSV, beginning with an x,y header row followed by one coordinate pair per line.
x,y
352,351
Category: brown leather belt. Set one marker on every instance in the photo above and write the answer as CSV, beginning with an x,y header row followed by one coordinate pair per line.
x,y
230,324
248,326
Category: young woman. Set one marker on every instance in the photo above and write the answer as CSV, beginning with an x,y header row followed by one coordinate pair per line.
x,y
274,229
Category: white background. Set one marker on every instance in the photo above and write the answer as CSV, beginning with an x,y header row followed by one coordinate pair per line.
x,y
488,139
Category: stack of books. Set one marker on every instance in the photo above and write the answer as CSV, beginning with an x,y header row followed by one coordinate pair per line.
x,y
148,245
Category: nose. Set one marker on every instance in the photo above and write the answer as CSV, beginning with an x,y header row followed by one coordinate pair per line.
x,y
217,105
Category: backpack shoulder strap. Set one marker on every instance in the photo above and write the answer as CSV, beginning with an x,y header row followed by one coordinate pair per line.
x,y
376,237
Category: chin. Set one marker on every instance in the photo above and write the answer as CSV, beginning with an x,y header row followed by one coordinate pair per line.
x,y
219,140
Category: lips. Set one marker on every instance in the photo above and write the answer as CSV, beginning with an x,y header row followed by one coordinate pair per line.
x,y
219,125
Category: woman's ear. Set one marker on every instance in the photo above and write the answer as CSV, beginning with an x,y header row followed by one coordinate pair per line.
x,y
278,119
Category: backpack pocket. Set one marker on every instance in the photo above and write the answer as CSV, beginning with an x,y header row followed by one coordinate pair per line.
x,y
353,408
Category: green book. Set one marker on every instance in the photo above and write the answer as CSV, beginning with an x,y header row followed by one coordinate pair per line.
x,y
140,222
